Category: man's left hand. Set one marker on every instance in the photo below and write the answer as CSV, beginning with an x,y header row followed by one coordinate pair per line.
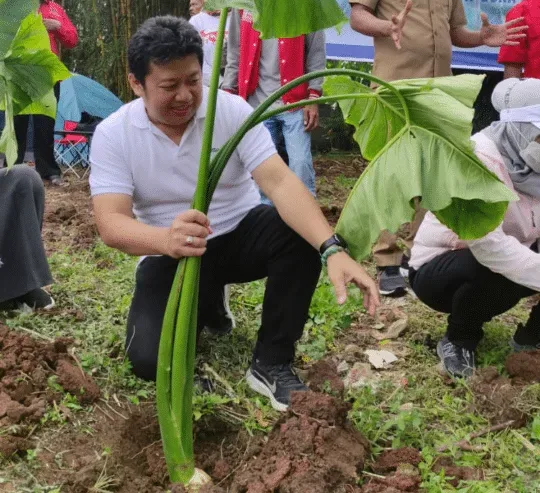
x,y
502,34
311,117
342,270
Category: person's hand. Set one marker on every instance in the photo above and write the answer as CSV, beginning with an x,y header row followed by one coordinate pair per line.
x,y
311,117
187,235
398,21
51,24
342,269
195,6
502,34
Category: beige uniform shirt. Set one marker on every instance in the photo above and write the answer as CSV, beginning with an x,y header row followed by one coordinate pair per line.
x,y
426,47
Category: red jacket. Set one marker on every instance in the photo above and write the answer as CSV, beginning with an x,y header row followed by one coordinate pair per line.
x,y
291,55
66,34
528,51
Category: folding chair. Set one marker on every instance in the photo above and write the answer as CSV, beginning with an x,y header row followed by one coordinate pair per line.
x,y
72,148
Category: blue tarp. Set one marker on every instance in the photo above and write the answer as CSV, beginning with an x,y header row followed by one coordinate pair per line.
x,y
78,94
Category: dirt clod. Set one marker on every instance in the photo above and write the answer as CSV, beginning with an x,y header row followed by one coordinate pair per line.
x,y
390,460
312,448
323,377
524,366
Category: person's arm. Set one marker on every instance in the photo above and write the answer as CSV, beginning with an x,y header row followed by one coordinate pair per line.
x,y
513,57
315,60
230,77
364,21
67,32
119,229
300,211
513,70
505,255
507,34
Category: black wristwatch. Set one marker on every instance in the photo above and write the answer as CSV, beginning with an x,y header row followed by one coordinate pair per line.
x,y
335,239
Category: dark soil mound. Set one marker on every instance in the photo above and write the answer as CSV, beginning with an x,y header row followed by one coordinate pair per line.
x,y
312,448
391,459
496,397
25,368
524,366
323,377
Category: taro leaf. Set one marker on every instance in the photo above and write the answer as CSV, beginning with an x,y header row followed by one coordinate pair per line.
x,y
430,157
27,76
286,19
12,13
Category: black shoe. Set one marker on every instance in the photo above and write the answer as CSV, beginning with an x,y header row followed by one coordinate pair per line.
x,y
275,382
527,341
391,282
457,361
221,321
36,299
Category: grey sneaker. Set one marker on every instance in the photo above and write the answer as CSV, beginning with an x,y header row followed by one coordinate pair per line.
x,y
457,361
275,382
56,181
520,334
391,282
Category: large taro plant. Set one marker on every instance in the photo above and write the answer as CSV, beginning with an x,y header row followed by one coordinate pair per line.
x,y
28,68
414,133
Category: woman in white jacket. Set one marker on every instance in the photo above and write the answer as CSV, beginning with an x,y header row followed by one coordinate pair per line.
x,y
474,281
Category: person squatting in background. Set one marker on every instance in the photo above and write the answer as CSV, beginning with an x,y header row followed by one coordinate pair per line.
x,y
473,281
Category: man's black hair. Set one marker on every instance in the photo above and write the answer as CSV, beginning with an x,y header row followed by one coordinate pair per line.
x,y
160,40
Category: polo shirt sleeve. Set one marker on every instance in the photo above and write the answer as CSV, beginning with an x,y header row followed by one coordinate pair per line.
x,y
109,171
257,145
518,53
457,16
370,4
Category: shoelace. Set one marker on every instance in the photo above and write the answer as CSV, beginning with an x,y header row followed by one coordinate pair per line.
x,y
449,351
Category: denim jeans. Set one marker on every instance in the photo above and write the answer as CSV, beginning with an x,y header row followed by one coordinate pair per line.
x,y
290,125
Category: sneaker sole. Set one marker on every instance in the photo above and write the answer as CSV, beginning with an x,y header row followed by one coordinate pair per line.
x,y
256,385
25,306
518,348
396,293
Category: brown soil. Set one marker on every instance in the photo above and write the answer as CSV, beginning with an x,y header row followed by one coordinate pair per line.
x,y
25,368
323,377
458,473
496,397
312,448
524,366
69,220
391,459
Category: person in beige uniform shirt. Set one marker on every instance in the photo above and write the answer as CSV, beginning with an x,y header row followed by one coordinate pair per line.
x,y
414,40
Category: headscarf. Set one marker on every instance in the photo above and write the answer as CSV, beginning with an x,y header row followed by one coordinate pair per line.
x,y
518,101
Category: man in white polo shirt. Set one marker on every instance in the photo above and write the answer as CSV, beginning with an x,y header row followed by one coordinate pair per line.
x,y
145,161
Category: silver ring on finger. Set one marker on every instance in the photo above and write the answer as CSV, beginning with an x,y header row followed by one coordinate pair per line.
x,y
189,240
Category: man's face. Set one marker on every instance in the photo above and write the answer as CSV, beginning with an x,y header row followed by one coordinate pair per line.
x,y
195,6
172,92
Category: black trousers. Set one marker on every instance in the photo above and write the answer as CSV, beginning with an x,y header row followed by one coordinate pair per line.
x,y
261,246
23,263
456,283
46,165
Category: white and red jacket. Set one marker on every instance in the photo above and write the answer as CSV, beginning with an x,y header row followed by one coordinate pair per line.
x,y
507,249
66,34
295,59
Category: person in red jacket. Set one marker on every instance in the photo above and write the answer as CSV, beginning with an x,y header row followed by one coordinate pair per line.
x,y
63,33
524,60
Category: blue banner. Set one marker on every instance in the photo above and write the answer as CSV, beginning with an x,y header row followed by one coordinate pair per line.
x,y
350,45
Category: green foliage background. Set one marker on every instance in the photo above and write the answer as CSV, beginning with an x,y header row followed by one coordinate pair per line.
x,y
105,27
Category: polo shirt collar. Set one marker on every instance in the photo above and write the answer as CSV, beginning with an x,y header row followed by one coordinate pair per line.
x,y
140,117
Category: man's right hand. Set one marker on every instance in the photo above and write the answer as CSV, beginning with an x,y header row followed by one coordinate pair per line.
x,y
398,21
187,235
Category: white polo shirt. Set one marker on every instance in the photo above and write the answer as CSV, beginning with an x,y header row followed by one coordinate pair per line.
x,y
132,156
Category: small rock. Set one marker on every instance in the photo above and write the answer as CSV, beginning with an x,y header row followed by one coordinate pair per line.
x,y
380,359
360,375
343,367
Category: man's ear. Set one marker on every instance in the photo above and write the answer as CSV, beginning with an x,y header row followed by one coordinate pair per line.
x,y
136,86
